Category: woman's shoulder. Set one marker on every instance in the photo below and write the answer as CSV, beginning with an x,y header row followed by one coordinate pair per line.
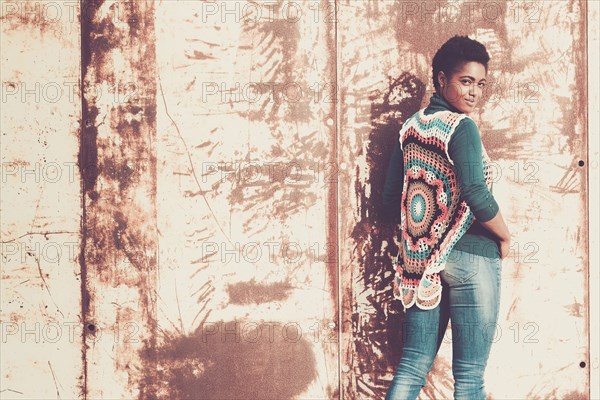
x,y
469,122
467,126
465,134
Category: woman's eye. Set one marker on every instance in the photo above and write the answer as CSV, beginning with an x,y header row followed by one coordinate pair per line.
x,y
481,85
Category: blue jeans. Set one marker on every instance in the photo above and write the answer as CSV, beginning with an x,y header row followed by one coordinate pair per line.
x,y
470,299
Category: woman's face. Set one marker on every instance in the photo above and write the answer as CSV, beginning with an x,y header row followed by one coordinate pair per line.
x,y
464,88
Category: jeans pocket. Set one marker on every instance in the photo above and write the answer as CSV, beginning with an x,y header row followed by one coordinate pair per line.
x,y
495,263
492,262
461,266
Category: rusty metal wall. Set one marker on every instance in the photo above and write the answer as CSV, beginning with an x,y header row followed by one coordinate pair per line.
x,y
40,196
593,123
117,160
202,220
246,213
533,125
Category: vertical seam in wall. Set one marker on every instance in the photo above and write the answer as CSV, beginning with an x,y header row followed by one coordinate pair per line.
x,y
585,97
336,193
82,263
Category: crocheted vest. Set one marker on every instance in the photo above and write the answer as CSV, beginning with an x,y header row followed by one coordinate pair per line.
x,y
433,216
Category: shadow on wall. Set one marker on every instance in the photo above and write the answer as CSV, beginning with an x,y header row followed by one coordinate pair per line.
x,y
377,334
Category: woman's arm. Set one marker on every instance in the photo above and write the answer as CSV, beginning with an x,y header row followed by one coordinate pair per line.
x,y
392,188
497,226
465,150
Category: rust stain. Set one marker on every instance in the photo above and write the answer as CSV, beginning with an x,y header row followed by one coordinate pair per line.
x,y
116,225
254,292
28,13
580,40
87,162
575,395
198,55
334,388
273,37
575,309
225,360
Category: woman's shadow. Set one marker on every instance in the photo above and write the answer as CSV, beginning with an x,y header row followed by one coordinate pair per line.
x,y
377,329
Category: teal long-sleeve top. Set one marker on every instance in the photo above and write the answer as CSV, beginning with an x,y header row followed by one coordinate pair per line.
x,y
465,149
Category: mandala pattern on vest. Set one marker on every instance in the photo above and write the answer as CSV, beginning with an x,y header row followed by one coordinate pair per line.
x,y
433,218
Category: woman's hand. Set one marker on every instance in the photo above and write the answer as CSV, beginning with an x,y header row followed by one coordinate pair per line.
x,y
504,248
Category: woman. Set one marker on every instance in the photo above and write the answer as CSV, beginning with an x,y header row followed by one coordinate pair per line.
x,y
453,237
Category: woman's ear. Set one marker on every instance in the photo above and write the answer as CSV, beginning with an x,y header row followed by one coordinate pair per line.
x,y
442,78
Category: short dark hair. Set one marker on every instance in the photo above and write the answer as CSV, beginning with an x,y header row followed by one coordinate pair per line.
x,y
454,53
